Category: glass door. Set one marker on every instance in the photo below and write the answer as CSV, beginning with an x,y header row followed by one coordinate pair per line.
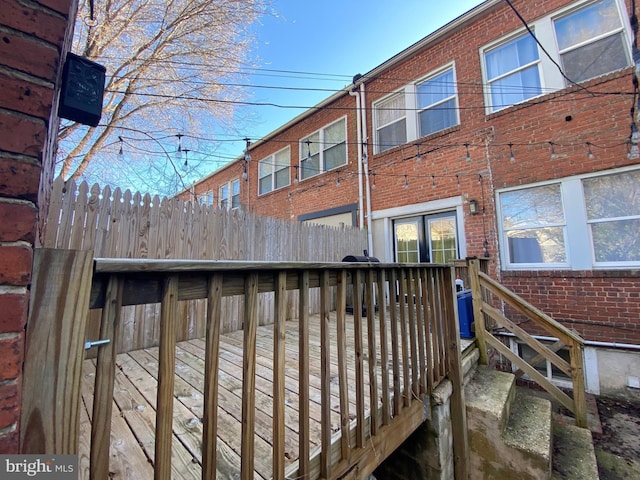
x,y
426,238
408,233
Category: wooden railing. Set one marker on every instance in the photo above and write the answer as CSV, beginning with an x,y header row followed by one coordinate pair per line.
x,y
401,353
483,288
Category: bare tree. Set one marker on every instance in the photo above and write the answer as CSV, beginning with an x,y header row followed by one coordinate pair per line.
x,y
169,65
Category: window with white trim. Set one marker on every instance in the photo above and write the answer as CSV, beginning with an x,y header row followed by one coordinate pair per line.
x,y
206,198
545,226
324,150
588,39
437,103
591,40
230,194
546,368
273,171
391,122
512,72
433,103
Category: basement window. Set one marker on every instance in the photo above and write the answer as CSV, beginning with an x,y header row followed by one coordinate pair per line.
x,y
545,368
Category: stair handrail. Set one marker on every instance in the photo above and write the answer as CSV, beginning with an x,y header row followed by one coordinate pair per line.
x,y
482,283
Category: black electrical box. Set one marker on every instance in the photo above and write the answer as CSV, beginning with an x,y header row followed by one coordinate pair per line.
x,y
82,90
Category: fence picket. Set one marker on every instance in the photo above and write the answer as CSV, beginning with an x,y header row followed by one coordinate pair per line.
x,y
116,224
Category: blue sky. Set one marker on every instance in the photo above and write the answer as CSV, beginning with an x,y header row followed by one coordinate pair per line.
x,y
330,41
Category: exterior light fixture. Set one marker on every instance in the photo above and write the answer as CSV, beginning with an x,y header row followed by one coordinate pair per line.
x,y
473,207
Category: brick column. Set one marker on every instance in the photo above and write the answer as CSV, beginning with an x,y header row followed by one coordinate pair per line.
x,y
33,37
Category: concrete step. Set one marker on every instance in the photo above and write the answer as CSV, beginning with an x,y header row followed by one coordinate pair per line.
x,y
529,432
488,397
574,457
509,435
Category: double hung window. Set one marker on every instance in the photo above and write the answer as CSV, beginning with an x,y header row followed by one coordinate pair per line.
x,y
230,194
579,223
512,71
586,40
391,122
591,41
324,150
273,172
437,103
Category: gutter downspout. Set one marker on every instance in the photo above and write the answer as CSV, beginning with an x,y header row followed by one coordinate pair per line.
x,y
354,93
365,161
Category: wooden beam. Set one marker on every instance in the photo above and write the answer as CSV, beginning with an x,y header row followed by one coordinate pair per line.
x,y
478,315
104,381
303,354
462,461
54,348
166,375
211,356
279,358
325,377
247,455
341,300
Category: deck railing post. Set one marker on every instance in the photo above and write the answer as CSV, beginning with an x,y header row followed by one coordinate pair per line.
x,y
478,316
454,367
577,376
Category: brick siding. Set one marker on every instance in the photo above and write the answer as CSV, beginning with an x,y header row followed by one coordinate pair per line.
x,y
31,41
570,116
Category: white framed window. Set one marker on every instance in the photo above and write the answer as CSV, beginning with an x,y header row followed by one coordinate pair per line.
x,y
579,223
547,369
512,72
391,122
591,40
207,198
587,39
432,101
324,150
534,226
437,103
613,216
230,194
273,171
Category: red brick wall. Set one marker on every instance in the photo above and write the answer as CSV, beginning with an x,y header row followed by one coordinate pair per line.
x,y
568,118
32,35
600,305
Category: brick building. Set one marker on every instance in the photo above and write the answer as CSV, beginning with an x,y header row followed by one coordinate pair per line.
x,y
481,141
34,36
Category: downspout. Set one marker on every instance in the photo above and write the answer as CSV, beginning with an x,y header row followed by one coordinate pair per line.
x,y
354,93
365,161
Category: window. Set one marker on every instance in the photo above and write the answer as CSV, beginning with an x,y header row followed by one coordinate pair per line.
x,y
591,41
512,72
207,198
273,172
426,238
545,226
230,194
324,150
437,103
613,215
533,225
544,367
588,39
391,123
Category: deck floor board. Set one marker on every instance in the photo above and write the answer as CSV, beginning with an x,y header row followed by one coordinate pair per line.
x,y
133,417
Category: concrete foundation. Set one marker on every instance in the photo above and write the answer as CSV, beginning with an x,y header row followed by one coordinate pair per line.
x,y
428,452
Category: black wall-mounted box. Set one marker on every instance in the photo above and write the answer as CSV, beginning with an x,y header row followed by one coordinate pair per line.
x,y
82,90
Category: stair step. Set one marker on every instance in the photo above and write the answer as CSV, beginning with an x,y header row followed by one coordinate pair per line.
x,y
529,430
573,455
490,393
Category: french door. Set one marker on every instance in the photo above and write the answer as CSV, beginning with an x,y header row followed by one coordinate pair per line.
x,y
426,238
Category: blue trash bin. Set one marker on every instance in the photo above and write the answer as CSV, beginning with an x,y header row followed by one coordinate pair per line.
x,y
465,314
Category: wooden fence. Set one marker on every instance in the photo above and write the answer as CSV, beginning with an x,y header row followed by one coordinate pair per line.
x,y
116,224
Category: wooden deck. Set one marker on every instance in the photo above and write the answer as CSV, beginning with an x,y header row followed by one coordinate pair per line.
x,y
133,418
